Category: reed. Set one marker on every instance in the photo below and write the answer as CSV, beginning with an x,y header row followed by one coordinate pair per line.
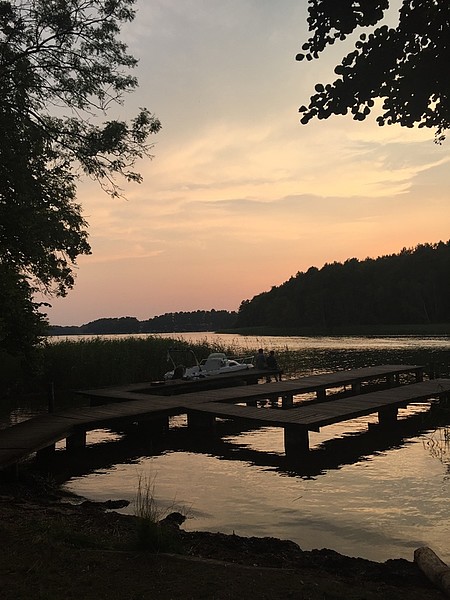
x,y
152,534
101,362
145,503
98,362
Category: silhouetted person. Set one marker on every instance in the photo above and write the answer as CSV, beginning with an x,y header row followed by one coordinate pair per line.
x,y
178,372
272,364
260,360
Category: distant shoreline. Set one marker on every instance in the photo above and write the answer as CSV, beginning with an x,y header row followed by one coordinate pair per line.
x,y
362,330
412,329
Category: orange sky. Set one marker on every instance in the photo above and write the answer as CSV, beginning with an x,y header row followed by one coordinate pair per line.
x,y
239,195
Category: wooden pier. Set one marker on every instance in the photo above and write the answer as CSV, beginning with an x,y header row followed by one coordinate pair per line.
x,y
180,386
402,385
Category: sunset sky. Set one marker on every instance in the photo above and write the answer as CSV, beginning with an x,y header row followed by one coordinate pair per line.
x,y
239,196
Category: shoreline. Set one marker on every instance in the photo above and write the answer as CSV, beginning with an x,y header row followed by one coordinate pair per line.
x,y
361,330
65,536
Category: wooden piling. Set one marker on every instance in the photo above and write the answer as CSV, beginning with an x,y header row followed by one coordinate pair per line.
x,y
76,441
287,401
204,421
296,441
154,427
387,416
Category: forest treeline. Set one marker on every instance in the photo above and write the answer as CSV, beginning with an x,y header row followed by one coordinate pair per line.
x,y
199,320
408,288
412,287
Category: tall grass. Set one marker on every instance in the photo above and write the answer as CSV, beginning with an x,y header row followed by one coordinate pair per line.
x,y
78,364
101,362
145,505
152,534
98,362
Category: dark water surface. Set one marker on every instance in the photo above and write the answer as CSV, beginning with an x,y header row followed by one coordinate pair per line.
x,y
361,493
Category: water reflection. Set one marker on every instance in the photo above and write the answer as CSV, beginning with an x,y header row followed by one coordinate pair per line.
x,y
362,343
258,446
361,492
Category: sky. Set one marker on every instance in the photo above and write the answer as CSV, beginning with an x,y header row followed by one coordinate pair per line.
x,y
239,196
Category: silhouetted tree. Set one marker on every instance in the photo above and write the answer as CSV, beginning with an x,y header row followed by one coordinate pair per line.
x,y
61,67
405,65
411,287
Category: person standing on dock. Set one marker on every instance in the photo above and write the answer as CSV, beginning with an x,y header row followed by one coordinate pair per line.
x,y
272,364
260,360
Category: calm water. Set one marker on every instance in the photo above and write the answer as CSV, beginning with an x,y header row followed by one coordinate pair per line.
x,y
359,496
430,343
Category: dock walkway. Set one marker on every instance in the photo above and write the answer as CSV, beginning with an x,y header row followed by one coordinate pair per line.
x,y
41,433
318,384
298,421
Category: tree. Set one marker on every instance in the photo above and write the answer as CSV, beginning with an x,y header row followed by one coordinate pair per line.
x,y
405,66
62,67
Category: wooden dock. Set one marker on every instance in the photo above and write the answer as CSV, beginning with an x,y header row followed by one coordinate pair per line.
x,y
152,412
180,386
287,389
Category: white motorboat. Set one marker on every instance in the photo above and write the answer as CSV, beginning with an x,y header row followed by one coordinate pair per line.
x,y
217,363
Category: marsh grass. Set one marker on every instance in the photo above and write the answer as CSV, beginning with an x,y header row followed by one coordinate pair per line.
x,y
152,534
99,362
84,363
438,444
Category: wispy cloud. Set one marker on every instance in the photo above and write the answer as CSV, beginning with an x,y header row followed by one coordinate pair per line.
x,y
239,194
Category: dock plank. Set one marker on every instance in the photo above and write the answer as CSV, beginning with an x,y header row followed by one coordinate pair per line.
x,y
321,414
306,384
297,386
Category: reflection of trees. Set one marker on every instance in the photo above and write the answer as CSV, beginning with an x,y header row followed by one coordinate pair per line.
x,y
438,445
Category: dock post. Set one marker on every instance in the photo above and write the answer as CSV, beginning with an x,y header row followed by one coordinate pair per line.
x,y
287,401
356,388
321,394
51,397
391,380
154,427
387,416
198,420
296,440
76,441
44,454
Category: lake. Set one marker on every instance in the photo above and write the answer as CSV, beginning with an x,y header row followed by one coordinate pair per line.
x,y
361,495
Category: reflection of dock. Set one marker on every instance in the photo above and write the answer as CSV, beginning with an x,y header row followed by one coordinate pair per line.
x,y
227,444
151,412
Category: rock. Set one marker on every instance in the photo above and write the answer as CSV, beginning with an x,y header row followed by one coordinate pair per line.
x,y
173,520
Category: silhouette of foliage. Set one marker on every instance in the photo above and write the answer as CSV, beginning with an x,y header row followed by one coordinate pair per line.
x,y
404,65
199,320
62,66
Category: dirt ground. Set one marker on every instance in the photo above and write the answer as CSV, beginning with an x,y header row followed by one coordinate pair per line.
x,y
53,549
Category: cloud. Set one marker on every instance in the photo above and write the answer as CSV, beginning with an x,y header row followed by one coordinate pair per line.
x,y
239,194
